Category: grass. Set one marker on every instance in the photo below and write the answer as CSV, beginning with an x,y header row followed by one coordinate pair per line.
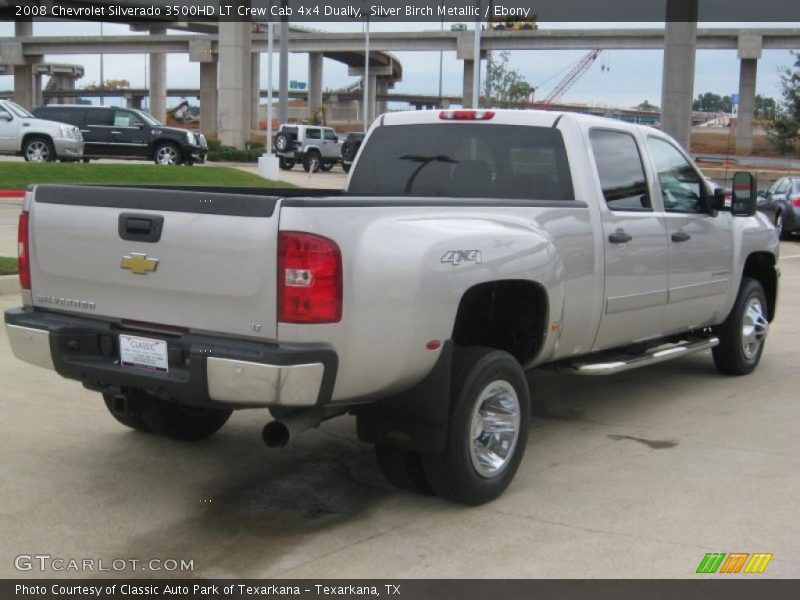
x,y
15,175
8,266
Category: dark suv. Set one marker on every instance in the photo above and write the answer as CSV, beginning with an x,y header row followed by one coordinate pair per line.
x,y
112,132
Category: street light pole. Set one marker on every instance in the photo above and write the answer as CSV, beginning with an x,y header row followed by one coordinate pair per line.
x,y
270,36
476,68
102,78
366,110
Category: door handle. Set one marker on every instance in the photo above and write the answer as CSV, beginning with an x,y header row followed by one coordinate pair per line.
x,y
619,237
680,236
117,132
140,227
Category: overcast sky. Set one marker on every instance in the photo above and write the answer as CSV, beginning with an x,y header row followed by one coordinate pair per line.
x,y
631,76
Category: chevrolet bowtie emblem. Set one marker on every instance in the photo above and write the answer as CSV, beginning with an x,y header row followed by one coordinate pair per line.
x,y
139,263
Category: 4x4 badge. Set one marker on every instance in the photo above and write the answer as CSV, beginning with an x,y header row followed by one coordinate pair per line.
x,y
456,257
139,263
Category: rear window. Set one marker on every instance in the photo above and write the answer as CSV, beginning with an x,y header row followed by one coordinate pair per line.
x,y
61,115
465,160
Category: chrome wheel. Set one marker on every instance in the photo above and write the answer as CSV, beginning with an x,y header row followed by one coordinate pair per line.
x,y
779,223
755,327
495,428
37,151
167,155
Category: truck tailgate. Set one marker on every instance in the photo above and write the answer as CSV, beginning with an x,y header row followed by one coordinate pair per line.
x,y
199,260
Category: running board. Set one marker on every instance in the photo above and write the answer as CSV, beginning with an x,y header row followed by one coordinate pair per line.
x,y
608,364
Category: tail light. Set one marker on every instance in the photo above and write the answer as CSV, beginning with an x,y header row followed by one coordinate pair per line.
x,y
23,252
795,201
466,115
309,279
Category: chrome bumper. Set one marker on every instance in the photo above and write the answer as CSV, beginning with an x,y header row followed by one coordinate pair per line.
x,y
30,345
235,382
258,384
66,148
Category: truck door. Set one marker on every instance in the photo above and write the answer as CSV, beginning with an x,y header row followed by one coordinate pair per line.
x,y
635,240
129,137
9,132
96,131
700,243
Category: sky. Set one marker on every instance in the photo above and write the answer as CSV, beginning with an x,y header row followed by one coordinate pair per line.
x,y
631,76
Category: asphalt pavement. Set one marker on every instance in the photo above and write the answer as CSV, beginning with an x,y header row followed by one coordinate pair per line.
x,y
633,475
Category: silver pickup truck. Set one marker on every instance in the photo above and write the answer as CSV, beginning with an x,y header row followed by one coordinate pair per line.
x,y
469,247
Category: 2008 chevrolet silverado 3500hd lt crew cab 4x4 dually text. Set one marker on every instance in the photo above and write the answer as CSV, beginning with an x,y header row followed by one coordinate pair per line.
x,y
468,247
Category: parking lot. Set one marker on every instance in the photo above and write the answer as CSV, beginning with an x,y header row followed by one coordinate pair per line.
x,y
634,475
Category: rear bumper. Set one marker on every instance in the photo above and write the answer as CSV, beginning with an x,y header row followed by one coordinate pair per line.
x,y
203,370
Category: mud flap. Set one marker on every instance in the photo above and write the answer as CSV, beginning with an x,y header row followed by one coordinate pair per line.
x,y
415,420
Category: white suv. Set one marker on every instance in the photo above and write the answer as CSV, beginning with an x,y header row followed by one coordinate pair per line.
x,y
37,140
314,146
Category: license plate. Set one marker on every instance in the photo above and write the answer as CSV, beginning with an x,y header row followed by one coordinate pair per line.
x,y
143,352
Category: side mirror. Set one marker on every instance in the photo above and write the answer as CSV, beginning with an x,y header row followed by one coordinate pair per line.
x,y
743,195
718,199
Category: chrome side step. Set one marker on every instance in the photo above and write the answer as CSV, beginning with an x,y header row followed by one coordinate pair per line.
x,y
609,363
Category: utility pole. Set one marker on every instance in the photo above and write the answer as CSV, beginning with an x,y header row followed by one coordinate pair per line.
x,y
283,76
476,70
366,110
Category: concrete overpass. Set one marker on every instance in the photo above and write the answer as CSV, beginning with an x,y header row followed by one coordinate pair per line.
x,y
232,46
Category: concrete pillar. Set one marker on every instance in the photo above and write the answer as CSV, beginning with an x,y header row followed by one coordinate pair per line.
x,y
158,81
677,90
233,123
255,88
373,84
314,82
382,106
208,98
469,73
749,53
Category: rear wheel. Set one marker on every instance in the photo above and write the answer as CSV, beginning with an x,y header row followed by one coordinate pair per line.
x,y
744,332
403,469
488,427
326,166
784,235
285,163
39,148
346,167
167,154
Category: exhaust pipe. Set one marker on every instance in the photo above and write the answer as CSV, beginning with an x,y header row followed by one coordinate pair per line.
x,y
278,433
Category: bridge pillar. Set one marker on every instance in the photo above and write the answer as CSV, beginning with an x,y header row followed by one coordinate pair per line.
x,y
469,74
208,98
372,92
749,53
381,106
677,90
158,81
65,82
314,82
234,83
255,88
24,76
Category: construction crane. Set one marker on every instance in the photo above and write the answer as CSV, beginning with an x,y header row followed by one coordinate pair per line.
x,y
575,73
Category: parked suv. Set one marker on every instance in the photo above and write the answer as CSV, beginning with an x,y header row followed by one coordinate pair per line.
x,y
112,132
37,140
350,149
314,146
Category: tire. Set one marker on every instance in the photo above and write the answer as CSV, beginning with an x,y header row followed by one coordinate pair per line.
x,y
86,161
167,153
346,167
326,166
309,159
182,422
782,233
285,163
39,148
488,383
403,469
282,142
743,334
128,413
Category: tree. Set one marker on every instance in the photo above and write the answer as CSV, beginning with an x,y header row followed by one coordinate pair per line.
x,y
647,106
711,102
784,131
765,107
110,84
504,86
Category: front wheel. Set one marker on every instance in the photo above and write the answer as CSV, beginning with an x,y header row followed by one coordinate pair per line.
x,y
346,167
488,427
782,233
167,154
39,149
744,332
311,162
326,166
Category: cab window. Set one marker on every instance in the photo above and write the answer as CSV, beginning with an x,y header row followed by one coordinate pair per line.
x,y
313,134
620,169
681,185
330,135
123,118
